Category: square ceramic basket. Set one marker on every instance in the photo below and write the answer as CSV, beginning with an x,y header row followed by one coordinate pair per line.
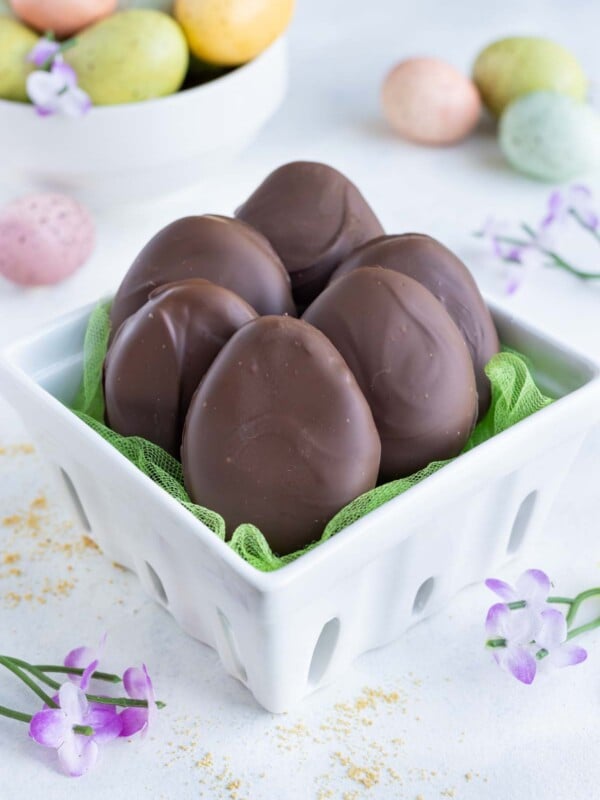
x,y
285,633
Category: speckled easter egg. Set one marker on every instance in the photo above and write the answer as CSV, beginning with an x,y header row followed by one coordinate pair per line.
x,y
63,17
231,32
44,238
429,101
550,136
519,65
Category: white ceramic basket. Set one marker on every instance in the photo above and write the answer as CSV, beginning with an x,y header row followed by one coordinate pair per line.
x,y
141,150
285,633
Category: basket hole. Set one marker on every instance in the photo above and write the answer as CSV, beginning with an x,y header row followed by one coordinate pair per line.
x,y
157,584
423,595
78,505
240,670
324,650
521,523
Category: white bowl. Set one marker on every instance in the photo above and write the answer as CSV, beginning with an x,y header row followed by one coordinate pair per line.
x,y
139,150
285,633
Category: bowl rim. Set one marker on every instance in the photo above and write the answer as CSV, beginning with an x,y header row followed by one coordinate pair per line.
x,y
231,78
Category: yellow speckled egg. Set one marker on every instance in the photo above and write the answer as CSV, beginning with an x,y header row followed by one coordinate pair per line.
x,y
231,32
63,17
428,101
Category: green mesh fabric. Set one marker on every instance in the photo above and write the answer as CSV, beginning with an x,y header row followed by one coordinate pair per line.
x,y
514,397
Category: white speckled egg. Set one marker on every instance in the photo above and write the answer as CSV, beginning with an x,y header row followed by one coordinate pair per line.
x,y
44,238
550,136
430,102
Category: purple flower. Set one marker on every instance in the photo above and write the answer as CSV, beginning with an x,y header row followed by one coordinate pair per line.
x,y
513,633
44,52
87,659
552,642
532,588
139,687
577,199
54,727
57,91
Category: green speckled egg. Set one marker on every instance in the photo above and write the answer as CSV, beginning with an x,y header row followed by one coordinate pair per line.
x,y
131,56
550,136
16,41
519,65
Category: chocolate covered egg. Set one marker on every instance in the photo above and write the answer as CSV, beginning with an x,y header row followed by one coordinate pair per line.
x,y
410,361
62,17
434,266
44,238
161,353
222,250
279,433
314,217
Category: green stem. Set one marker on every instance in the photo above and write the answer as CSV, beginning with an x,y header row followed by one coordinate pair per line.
x,y
589,626
495,643
594,231
124,702
567,601
99,676
581,598
8,712
34,671
6,662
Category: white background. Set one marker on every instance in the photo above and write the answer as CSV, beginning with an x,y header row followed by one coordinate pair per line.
x,y
437,719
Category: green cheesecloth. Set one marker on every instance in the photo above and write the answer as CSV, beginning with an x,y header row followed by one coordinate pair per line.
x,y
514,397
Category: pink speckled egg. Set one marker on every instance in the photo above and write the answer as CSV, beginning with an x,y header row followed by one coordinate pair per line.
x,y
63,17
430,102
44,238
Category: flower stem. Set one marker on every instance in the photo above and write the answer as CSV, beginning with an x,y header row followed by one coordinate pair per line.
x,y
581,598
12,667
18,715
495,643
594,231
567,601
125,702
99,676
589,626
558,261
35,671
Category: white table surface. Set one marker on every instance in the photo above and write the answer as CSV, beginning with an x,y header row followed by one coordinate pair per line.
x,y
429,716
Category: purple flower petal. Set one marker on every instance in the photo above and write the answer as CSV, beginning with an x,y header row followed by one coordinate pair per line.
x,y
43,52
80,657
74,103
496,623
521,663
568,655
133,720
533,586
502,589
135,683
105,721
78,755
49,727
65,73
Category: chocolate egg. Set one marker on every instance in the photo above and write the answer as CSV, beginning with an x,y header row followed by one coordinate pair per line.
x,y
222,250
279,434
410,361
448,279
160,355
44,238
314,217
